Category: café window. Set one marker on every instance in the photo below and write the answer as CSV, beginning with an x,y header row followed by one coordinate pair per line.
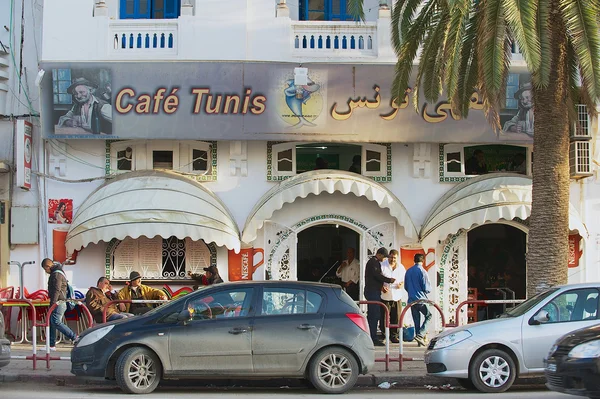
x,y
159,258
61,79
288,159
149,9
462,161
198,157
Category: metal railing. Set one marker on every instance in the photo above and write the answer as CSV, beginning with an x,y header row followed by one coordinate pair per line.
x,y
481,302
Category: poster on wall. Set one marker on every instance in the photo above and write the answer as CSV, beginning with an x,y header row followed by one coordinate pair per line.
x,y
258,101
60,211
81,101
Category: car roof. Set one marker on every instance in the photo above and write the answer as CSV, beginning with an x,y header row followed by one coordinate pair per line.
x,y
578,285
280,282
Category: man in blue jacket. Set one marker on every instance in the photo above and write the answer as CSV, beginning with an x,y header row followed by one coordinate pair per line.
x,y
417,284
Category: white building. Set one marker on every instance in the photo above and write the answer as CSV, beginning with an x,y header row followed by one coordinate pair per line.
x,y
209,121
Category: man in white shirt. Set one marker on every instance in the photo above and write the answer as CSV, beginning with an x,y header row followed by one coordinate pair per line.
x,y
391,295
349,272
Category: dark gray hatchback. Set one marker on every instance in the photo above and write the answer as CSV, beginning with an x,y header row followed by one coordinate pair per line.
x,y
243,330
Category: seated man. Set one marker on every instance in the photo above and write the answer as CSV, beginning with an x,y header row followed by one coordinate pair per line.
x,y
96,299
136,290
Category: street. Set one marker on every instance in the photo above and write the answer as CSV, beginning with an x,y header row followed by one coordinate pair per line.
x,y
17,391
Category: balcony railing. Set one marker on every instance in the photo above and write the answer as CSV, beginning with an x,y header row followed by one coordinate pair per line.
x,y
329,38
143,36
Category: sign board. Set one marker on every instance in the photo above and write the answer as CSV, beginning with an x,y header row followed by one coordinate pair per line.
x,y
24,153
260,101
574,250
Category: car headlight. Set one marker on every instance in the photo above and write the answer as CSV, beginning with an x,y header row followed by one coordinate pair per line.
x,y
94,336
586,350
451,339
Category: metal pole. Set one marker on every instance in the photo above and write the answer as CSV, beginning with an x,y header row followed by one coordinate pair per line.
x,y
21,278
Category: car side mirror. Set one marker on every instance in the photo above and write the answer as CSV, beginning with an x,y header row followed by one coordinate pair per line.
x,y
184,316
541,317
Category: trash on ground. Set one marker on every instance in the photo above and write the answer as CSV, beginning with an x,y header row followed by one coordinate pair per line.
x,y
446,387
386,385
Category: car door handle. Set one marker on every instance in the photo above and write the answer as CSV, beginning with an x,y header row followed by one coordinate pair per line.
x,y
239,330
305,326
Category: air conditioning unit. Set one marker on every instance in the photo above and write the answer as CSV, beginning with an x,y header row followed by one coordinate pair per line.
x,y
581,129
580,159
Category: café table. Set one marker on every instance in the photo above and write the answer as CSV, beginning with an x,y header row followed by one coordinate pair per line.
x,y
22,327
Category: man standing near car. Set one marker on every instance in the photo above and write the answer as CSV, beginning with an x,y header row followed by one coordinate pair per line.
x,y
57,291
374,280
392,293
349,272
417,285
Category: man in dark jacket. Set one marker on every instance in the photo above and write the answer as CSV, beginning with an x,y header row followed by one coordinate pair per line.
x,y
212,275
57,291
96,299
374,280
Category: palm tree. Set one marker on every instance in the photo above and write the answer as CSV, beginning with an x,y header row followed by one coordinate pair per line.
x,y
464,45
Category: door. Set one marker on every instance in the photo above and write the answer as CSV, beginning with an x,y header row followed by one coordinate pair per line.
x,y
287,326
567,311
218,336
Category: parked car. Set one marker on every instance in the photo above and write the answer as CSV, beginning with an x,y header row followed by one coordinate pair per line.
x,y
4,345
245,329
573,363
489,355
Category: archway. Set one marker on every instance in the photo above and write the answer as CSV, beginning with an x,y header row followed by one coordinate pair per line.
x,y
319,247
496,266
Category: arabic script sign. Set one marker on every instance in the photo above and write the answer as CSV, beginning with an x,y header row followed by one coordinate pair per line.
x,y
255,101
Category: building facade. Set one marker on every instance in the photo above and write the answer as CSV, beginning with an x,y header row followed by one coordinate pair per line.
x,y
261,137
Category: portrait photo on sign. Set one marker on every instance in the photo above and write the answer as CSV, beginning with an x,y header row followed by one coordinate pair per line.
x,y
82,101
60,211
517,114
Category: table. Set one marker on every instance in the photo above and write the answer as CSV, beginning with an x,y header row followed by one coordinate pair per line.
x,y
23,325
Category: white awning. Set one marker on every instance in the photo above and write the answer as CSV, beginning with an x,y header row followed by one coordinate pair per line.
x,y
487,198
152,203
317,182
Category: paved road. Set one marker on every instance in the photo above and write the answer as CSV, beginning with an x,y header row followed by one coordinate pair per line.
x,y
17,391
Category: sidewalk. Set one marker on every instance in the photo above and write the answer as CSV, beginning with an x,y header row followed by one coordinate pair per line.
x,y
413,374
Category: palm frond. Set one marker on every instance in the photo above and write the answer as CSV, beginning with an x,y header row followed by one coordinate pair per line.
x,y
403,14
521,16
356,9
541,76
578,94
491,55
582,26
468,73
454,42
431,61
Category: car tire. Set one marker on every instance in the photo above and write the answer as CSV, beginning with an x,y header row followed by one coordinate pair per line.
x,y
466,384
492,371
138,370
333,370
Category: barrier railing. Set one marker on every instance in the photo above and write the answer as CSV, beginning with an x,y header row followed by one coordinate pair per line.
x,y
387,358
29,303
481,302
401,357
108,304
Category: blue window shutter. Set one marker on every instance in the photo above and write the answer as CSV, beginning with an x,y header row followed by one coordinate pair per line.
x,y
134,9
172,8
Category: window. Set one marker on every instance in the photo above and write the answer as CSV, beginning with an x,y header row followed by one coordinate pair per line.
x,y
61,80
581,128
222,304
288,159
162,159
163,154
576,305
159,258
150,9
458,161
199,157
289,301
324,10
125,159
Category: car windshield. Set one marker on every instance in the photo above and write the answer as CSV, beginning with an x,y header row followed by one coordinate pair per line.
x,y
528,304
172,302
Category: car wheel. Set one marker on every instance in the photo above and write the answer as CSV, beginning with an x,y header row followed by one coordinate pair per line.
x,y
493,370
333,370
466,384
138,370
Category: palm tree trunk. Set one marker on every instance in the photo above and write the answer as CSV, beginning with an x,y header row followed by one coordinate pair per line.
x,y
549,222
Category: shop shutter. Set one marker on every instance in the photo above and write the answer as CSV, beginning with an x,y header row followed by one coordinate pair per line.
x,y
197,256
284,159
124,259
374,160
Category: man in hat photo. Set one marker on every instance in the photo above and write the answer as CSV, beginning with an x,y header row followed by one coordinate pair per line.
x,y
136,290
522,122
88,112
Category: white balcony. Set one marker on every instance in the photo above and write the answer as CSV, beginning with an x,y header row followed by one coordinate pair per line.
x,y
140,38
334,39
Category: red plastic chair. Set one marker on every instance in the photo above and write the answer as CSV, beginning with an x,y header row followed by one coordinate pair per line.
x,y
6,312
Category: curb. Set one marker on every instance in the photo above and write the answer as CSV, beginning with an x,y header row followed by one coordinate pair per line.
x,y
365,381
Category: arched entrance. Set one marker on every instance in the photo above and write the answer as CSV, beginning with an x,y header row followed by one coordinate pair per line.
x,y
320,247
496,265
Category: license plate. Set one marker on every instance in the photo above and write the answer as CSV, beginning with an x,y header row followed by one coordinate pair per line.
x,y
551,367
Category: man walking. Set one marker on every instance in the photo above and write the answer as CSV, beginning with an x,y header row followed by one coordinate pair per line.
x,y
392,293
417,285
374,280
349,273
57,291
